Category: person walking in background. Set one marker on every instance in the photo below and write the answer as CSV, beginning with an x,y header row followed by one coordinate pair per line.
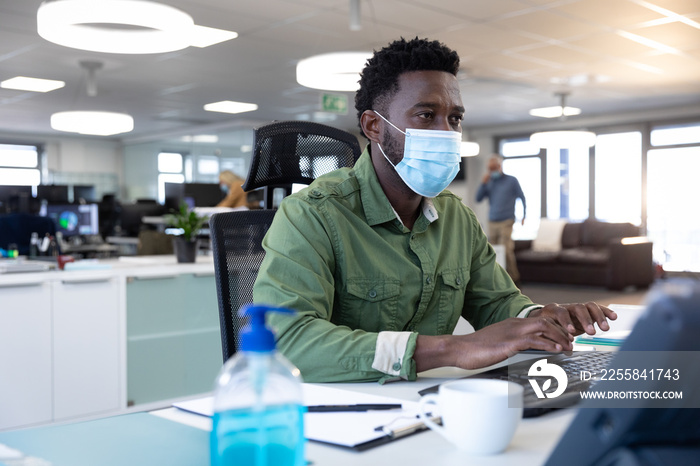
x,y
232,184
502,191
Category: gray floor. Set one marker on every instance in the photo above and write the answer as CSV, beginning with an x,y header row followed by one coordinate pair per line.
x,y
546,293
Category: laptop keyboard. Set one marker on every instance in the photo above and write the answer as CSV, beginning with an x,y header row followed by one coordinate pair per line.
x,y
573,363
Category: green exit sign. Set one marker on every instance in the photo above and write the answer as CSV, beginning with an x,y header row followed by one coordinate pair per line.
x,y
334,103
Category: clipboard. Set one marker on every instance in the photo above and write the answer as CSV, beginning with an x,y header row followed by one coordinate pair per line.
x,y
358,431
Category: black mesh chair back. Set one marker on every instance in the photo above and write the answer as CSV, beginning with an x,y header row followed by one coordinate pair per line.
x,y
289,152
237,247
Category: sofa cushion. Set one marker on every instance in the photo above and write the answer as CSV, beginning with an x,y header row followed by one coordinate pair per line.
x,y
599,234
585,255
571,236
528,255
549,235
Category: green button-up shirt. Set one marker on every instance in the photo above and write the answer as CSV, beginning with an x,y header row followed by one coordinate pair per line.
x,y
338,254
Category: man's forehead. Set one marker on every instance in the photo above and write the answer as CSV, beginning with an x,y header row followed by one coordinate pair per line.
x,y
422,86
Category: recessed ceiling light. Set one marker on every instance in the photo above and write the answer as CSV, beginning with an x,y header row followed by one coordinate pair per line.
x,y
206,138
94,123
555,112
24,83
332,71
115,26
203,36
229,106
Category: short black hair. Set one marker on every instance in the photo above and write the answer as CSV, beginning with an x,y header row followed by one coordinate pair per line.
x,y
379,79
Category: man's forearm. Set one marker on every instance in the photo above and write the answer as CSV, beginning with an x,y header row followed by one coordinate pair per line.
x,y
433,351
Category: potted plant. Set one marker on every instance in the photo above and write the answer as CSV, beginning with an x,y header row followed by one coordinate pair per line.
x,y
185,244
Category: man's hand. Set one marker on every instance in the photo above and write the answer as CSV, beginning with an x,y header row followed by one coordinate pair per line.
x,y
491,344
486,178
522,222
577,318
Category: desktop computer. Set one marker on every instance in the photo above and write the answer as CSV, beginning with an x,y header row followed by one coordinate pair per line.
x,y
73,219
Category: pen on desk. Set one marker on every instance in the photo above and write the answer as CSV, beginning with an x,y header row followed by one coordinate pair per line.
x,y
346,408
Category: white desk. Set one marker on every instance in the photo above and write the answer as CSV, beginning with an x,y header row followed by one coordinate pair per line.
x,y
534,439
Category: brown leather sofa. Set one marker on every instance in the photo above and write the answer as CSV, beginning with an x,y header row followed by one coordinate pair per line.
x,y
592,253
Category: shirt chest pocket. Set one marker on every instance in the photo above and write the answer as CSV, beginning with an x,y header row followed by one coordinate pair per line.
x,y
453,286
369,304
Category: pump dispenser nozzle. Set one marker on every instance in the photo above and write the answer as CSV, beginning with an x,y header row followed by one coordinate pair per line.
x,y
256,336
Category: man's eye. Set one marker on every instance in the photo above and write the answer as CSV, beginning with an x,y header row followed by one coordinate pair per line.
x,y
426,115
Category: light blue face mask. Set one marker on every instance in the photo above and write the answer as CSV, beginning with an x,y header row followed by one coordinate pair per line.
x,y
430,159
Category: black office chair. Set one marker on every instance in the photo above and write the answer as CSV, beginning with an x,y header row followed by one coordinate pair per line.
x,y
289,152
236,239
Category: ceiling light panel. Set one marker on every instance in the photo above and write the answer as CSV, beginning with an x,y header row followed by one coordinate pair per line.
x,y
230,106
24,83
203,36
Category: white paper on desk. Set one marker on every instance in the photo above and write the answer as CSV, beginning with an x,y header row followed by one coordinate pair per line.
x,y
345,428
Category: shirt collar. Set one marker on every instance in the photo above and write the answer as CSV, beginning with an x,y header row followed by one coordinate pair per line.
x,y
377,207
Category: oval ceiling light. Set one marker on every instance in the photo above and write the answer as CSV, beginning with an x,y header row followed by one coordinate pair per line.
x,y
115,26
93,123
563,139
338,71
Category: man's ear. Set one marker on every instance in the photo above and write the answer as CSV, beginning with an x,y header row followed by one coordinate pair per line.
x,y
369,122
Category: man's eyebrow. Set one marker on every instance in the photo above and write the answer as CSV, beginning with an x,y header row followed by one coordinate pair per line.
x,y
434,105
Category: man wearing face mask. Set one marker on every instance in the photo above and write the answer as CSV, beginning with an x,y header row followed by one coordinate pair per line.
x,y
502,191
380,261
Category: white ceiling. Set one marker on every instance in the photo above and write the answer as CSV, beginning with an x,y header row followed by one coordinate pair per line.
x,y
515,55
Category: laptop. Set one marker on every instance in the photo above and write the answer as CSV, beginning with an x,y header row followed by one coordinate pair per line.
x,y
595,362
667,327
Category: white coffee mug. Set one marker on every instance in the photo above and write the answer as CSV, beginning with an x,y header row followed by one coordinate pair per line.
x,y
478,415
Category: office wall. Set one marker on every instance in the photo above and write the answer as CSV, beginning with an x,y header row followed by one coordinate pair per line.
x,y
83,160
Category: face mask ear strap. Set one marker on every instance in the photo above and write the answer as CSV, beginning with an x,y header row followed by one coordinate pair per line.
x,y
382,117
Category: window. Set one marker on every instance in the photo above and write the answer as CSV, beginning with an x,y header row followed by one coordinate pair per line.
x,y
169,162
528,172
672,197
19,165
522,160
671,135
567,183
170,171
618,177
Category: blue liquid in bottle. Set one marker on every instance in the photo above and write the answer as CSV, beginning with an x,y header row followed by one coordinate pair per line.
x,y
267,437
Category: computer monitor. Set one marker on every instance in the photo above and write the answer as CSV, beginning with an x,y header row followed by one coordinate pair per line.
x,y
645,429
53,193
131,216
73,219
203,194
14,198
84,192
174,195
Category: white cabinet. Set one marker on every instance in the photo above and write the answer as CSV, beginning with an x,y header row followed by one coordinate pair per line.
x,y
86,346
25,352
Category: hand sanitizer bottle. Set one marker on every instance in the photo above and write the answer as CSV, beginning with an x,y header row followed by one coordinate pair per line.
x,y
258,408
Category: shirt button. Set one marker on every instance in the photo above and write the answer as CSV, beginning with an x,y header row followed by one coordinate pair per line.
x,y
396,366
428,280
372,293
459,281
316,194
